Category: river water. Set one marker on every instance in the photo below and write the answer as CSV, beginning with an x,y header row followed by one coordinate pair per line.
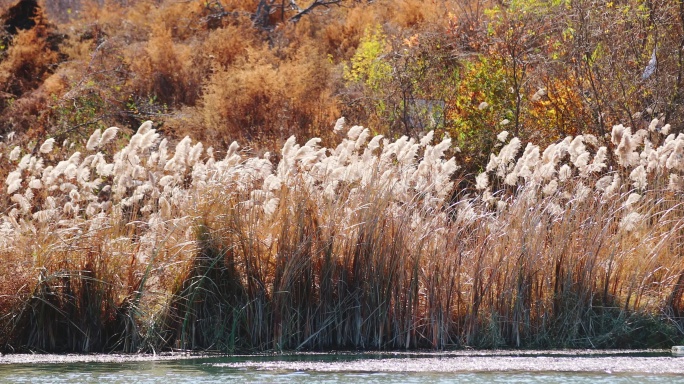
x,y
454,367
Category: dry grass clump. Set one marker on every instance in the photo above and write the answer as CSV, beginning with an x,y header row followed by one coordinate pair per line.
x,y
27,59
85,262
307,254
360,245
246,103
165,70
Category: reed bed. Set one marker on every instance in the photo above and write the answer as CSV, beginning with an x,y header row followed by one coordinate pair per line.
x,y
367,245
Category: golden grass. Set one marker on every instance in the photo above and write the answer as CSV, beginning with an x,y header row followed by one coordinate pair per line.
x,y
367,245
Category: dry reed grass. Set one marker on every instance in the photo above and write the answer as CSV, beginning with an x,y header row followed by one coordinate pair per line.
x,y
358,246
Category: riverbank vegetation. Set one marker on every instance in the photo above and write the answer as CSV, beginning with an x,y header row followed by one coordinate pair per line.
x,y
495,200
364,245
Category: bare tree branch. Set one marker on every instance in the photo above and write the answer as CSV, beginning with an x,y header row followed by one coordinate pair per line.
x,y
265,8
303,11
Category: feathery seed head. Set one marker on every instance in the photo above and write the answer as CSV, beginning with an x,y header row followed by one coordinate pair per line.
x,y
674,160
482,181
35,184
25,161
14,154
581,192
638,177
162,153
576,148
28,194
653,125
582,161
374,143
195,153
600,158
541,92
50,202
43,216
626,154
75,158
94,140
361,140
313,143
493,163
614,186
603,183
289,148
108,135
564,173
632,199
74,195
501,205
13,181
92,209
546,171
67,187
639,136
553,209
36,165
442,147
272,183
550,188
339,125
164,208
167,180
616,133
551,155
182,150
509,151
527,162
631,221
149,139
676,183
511,178
465,213
502,136
427,139
591,139
24,205
47,145
145,127
135,142
103,169
270,206
70,209
354,132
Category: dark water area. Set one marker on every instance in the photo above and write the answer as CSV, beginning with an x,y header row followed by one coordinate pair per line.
x,y
456,367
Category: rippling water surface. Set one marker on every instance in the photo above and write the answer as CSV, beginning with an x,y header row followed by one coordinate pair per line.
x,y
456,367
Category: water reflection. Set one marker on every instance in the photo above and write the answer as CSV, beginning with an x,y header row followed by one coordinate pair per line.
x,y
458,367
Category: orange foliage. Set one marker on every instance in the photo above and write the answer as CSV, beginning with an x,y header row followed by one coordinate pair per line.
x,y
262,101
164,69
